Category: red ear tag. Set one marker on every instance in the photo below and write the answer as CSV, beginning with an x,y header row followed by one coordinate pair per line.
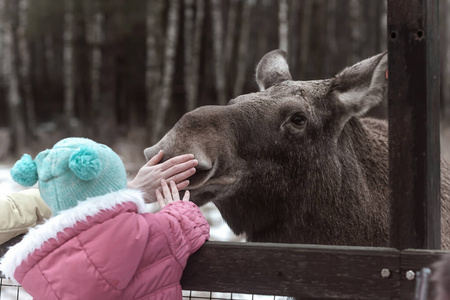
x,y
387,74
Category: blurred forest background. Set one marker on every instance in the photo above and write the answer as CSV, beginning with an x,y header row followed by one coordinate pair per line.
x,y
124,71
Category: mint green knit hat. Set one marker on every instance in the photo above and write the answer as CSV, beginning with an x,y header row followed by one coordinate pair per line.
x,y
73,170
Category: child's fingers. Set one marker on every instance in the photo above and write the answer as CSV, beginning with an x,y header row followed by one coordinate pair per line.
x,y
186,196
175,194
155,159
165,191
160,198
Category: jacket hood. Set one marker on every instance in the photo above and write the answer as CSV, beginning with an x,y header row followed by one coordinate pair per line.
x,y
34,239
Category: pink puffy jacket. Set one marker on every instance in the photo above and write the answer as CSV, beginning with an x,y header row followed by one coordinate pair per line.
x,y
108,247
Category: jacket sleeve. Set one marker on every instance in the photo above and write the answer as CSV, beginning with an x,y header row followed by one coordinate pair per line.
x,y
186,227
20,211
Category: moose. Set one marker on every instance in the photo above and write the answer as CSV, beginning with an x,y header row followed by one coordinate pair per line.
x,y
296,162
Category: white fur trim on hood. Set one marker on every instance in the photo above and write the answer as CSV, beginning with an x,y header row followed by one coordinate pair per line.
x,y
66,219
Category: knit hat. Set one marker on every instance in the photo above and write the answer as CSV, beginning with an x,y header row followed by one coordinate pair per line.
x,y
73,170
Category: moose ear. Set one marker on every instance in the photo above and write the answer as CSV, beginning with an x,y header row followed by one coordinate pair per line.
x,y
362,86
272,69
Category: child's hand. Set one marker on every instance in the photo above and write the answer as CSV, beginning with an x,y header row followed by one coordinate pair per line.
x,y
169,196
176,169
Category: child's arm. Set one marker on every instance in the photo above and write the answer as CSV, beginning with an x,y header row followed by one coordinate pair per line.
x,y
176,169
20,211
185,220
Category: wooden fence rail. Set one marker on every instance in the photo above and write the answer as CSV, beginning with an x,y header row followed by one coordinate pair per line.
x,y
306,271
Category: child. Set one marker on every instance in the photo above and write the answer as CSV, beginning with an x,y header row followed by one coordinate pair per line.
x,y
101,243
21,210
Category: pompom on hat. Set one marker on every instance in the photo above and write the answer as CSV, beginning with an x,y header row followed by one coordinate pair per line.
x,y
73,170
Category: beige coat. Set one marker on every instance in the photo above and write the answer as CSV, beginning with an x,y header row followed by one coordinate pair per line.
x,y
20,211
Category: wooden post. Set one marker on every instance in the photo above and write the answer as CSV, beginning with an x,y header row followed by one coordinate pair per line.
x,y
414,154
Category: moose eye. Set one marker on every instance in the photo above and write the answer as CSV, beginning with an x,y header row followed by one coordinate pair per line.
x,y
298,120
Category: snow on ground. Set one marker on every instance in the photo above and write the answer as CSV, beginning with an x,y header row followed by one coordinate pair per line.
x,y
7,185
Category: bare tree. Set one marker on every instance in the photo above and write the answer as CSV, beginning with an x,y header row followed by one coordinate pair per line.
x,y
25,79
168,70
293,40
69,65
231,31
109,88
50,56
219,68
188,52
305,35
332,45
16,120
383,26
283,25
356,24
196,52
243,48
193,29
153,65
95,37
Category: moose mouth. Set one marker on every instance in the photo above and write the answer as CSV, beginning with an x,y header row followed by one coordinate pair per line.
x,y
204,171
198,179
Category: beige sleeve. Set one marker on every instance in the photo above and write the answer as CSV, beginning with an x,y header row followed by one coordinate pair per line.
x,y
19,211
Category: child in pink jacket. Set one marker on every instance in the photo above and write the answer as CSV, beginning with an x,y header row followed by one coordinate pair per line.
x,y
101,242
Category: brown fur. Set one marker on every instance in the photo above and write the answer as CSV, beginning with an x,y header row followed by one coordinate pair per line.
x,y
276,178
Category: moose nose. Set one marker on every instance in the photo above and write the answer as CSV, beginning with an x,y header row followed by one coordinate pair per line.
x,y
151,151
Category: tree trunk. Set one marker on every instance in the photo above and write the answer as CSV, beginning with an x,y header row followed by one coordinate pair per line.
x,y
50,56
196,54
153,65
356,24
370,31
16,120
169,67
25,68
305,36
219,68
383,27
283,25
262,44
332,45
294,29
231,31
188,52
109,91
95,36
69,66
243,48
